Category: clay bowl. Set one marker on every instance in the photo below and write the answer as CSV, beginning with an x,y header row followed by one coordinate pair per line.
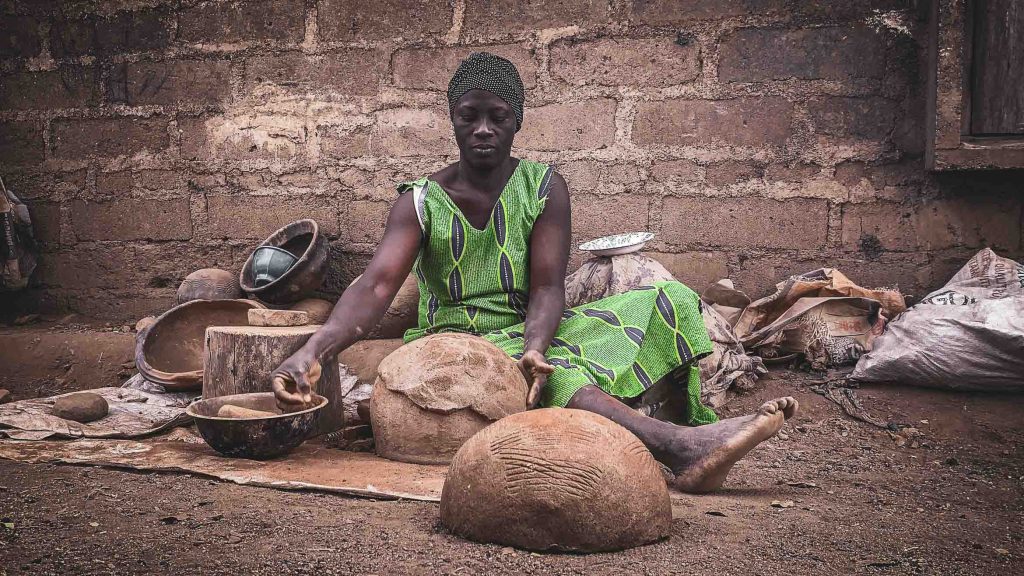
x,y
254,438
303,240
170,350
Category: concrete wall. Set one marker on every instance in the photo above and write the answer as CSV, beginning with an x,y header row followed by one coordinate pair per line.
x,y
758,138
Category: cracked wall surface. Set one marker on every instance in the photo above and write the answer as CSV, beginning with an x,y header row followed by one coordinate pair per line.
x,y
756,138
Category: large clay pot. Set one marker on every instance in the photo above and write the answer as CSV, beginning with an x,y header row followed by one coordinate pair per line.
x,y
304,240
556,479
433,394
402,314
170,350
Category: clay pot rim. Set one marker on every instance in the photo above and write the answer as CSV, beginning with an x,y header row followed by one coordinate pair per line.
x,y
174,381
321,401
280,281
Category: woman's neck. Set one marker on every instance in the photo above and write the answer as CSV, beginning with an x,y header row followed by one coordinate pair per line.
x,y
484,179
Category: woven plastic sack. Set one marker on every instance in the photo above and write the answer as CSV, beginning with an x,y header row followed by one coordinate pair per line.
x,y
968,335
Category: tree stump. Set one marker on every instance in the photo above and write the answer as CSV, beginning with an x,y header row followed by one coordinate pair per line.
x,y
240,359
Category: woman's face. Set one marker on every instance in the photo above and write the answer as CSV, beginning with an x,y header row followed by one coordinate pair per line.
x,y
484,127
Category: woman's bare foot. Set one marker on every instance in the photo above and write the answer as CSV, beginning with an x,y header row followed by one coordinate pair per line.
x,y
702,457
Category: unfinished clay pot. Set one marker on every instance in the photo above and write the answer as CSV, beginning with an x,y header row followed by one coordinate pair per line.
x,y
304,240
81,407
319,310
433,394
556,479
170,351
209,284
402,314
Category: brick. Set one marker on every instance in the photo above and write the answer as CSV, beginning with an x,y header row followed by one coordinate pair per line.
x,y
159,179
69,87
222,22
625,62
980,221
740,122
257,217
431,68
869,118
758,275
584,125
245,137
348,20
351,72
412,132
175,82
760,55
745,222
595,216
21,142
45,222
123,31
662,12
363,221
792,172
600,177
695,269
20,38
731,172
48,186
78,138
114,183
344,141
685,171
504,17
132,219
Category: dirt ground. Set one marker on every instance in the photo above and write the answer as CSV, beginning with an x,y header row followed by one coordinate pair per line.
x,y
946,501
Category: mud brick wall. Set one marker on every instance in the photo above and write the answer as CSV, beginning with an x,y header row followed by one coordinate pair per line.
x,y
757,138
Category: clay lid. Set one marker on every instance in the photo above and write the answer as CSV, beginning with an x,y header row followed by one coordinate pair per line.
x,y
170,351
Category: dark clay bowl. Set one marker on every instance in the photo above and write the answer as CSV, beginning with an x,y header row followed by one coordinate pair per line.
x,y
303,240
255,438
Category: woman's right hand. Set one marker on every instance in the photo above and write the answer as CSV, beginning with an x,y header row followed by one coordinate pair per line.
x,y
294,379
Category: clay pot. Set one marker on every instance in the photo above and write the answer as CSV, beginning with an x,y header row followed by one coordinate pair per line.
x,y
402,314
170,351
556,479
209,284
433,394
304,240
319,310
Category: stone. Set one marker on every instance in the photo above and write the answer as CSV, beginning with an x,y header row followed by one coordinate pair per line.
x,y
267,317
209,284
556,480
81,407
625,62
76,138
317,309
740,122
132,219
232,411
433,394
584,125
5,396
763,54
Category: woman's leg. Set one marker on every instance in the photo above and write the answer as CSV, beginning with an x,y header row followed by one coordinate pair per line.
x,y
700,457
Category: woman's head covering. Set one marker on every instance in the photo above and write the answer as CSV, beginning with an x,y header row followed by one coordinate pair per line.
x,y
486,71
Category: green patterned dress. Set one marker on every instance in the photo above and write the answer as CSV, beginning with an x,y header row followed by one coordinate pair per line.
x,y
477,281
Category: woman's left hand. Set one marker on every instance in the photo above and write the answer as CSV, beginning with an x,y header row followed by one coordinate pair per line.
x,y
536,369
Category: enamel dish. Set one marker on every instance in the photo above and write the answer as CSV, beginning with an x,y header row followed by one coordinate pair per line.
x,y
617,244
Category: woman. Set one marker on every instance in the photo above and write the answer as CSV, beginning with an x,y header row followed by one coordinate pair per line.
x,y
489,237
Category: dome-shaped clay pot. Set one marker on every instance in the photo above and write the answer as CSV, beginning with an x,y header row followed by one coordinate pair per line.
x,y
319,310
304,240
433,394
209,284
170,350
556,479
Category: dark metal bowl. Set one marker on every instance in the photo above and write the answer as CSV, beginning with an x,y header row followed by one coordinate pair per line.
x,y
303,240
255,438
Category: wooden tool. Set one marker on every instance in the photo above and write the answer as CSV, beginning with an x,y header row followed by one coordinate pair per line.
x,y
240,359
232,411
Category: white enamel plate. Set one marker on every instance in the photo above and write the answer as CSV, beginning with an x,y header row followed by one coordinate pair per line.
x,y
617,244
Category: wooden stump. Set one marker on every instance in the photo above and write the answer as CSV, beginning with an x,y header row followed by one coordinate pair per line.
x,y
240,359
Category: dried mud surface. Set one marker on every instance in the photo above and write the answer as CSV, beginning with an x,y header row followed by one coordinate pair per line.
x,y
949,501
